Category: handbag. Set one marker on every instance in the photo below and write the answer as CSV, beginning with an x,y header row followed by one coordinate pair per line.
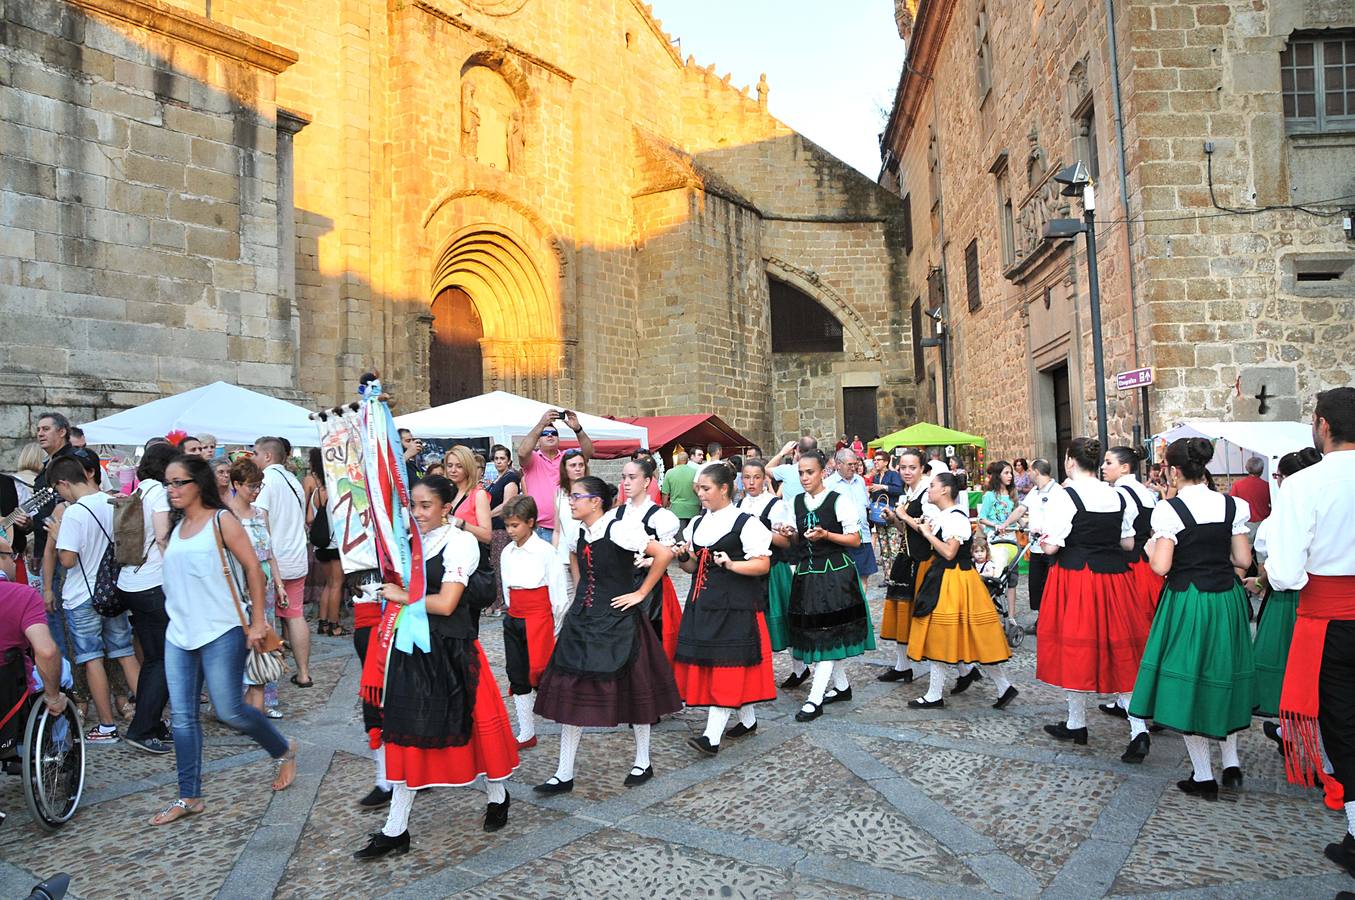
x,y
876,512
262,666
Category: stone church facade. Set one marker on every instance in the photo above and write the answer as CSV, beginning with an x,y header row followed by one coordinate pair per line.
x,y
535,196
1227,116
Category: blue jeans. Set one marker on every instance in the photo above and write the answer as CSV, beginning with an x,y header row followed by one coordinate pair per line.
x,y
544,533
222,664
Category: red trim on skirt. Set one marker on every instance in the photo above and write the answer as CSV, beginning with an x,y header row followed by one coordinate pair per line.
x,y
492,750
731,686
1148,583
672,618
532,605
1091,632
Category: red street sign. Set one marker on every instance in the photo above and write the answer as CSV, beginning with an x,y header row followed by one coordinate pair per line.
x,y
1127,381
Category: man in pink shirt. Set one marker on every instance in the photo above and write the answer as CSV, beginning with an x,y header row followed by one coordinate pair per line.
x,y
539,452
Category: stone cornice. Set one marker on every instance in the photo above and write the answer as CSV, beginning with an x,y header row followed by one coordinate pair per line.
x,y
430,7
190,28
924,45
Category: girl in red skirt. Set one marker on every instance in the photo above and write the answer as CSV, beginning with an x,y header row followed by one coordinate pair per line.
x,y
1120,468
661,607
608,668
724,653
1092,626
443,719
535,601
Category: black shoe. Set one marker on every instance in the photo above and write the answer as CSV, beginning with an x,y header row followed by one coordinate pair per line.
x,y
496,814
1138,748
702,745
1272,731
554,785
741,730
1232,777
1205,790
376,799
924,703
904,675
1061,731
1113,709
793,681
814,713
964,681
1343,854
836,696
1010,694
380,846
634,779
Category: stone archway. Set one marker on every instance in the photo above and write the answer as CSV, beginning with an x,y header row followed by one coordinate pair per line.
x,y
520,348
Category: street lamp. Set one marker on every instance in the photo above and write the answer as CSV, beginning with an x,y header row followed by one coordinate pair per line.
x,y
939,341
1077,180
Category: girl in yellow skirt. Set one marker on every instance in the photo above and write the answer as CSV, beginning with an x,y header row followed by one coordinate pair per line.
x,y
904,571
954,619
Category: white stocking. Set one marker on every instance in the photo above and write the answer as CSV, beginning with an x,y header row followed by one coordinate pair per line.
x,y
716,720
1077,710
819,686
901,661
1228,749
642,745
1122,700
495,791
1350,818
379,757
748,715
840,677
397,820
798,666
1198,748
569,745
526,718
998,673
936,681
1136,725
1322,751
965,668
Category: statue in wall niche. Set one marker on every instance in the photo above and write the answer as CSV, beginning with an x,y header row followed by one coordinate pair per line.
x,y
762,90
517,141
470,121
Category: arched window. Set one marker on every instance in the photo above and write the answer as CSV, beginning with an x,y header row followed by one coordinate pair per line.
x,y
800,324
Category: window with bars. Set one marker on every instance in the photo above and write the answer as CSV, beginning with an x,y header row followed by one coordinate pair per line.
x,y
919,360
971,274
1006,217
983,61
1317,83
907,216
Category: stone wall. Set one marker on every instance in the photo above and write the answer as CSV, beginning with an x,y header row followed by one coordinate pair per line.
x,y
138,216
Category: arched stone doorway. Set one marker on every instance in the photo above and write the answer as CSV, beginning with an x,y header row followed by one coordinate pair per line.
x,y
455,366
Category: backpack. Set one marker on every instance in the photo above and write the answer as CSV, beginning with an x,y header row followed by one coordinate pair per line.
x,y
318,533
129,530
103,594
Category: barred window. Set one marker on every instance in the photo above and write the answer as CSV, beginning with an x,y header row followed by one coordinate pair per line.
x,y
1317,83
971,274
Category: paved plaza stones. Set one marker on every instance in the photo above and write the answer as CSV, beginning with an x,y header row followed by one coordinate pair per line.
x,y
872,800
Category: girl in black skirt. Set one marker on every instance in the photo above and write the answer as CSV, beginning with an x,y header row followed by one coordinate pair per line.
x,y
608,667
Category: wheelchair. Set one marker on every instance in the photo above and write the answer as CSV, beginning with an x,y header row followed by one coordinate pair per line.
x,y
47,752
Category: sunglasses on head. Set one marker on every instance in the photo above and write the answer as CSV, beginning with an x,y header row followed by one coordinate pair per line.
x,y
572,452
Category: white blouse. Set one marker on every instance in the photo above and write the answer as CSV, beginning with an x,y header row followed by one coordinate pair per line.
x,y
664,523
1130,484
628,534
952,524
1097,496
843,508
780,514
460,553
1205,505
755,537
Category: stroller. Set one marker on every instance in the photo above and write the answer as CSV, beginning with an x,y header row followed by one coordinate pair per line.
x,y
997,587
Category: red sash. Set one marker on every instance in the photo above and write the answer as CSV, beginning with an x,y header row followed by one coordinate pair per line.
x,y
532,605
373,683
1323,599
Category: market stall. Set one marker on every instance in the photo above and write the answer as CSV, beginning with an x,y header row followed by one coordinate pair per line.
x,y
1237,442
504,418
235,415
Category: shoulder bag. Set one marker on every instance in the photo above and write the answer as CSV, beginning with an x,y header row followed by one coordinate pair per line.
x,y
261,666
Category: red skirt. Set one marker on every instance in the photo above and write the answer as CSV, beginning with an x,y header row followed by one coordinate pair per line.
x,y
492,750
1149,584
731,686
1091,632
532,606
672,618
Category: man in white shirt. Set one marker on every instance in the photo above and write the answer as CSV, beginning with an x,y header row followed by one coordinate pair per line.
x,y
1033,507
82,532
1311,545
847,481
284,507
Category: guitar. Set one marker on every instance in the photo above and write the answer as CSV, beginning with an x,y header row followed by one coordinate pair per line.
x,y
28,508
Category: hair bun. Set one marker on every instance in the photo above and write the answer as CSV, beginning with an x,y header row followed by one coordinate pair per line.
x,y
1200,450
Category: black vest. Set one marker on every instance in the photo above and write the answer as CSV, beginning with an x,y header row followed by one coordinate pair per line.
x,y
814,553
1143,525
915,546
765,517
734,591
460,624
1094,540
1203,556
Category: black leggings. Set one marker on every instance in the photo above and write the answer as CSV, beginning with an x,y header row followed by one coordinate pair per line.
x,y
1039,571
1336,701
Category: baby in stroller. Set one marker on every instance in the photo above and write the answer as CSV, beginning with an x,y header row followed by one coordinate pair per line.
x,y
997,565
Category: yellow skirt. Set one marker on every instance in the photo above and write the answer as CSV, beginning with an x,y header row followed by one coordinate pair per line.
x,y
897,620
964,627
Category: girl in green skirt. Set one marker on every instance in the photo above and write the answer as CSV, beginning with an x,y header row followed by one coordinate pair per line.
x,y
1198,673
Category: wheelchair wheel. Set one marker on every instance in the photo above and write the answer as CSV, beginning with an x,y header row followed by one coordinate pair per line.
x,y
53,765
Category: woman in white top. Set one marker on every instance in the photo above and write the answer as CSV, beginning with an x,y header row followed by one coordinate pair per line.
x,y
662,606
206,641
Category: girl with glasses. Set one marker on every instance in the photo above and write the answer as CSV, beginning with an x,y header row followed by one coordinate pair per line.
x,y
608,668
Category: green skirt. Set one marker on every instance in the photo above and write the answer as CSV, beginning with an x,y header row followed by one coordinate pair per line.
x,y
778,601
1274,630
1198,674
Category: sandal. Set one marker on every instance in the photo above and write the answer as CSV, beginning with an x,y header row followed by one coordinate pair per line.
x,y
296,680
286,768
337,630
179,809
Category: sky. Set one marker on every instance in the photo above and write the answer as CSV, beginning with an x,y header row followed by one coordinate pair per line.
x,y
832,66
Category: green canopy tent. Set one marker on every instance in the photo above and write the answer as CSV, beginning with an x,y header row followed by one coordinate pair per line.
x,y
925,434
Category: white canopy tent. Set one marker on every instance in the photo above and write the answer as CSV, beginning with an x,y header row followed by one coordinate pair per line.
x,y
1237,442
504,418
234,415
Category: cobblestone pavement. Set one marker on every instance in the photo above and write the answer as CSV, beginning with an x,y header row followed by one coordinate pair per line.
x,y
871,800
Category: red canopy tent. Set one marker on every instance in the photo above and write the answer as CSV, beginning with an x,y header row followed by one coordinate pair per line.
x,y
668,432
